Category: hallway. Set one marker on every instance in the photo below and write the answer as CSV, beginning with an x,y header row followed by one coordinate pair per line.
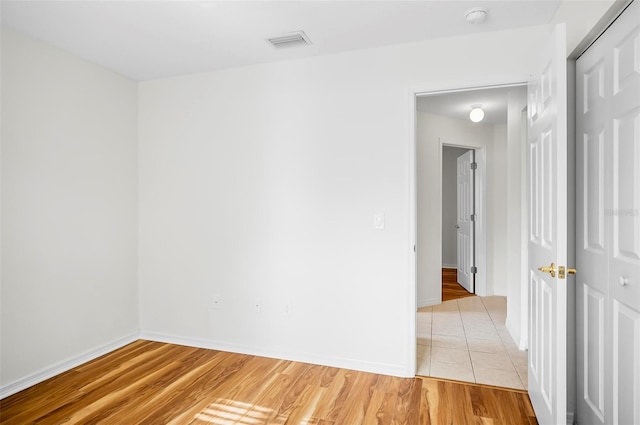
x,y
466,340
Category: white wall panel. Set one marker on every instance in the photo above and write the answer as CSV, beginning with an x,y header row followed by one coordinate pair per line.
x,y
626,364
593,347
593,177
69,210
261,183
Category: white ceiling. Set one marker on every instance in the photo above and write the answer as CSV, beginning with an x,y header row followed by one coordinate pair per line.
x,y
155,39
457,105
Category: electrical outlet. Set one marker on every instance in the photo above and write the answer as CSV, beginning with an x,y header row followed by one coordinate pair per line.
x,y
216,302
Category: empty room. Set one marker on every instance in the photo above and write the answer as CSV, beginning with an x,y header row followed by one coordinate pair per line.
x,y
231,212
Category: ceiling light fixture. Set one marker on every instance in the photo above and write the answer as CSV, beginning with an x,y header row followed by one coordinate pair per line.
x,y
476,114
476,15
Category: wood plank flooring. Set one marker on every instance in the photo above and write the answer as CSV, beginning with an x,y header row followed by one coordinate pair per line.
x,y
156,383
451,289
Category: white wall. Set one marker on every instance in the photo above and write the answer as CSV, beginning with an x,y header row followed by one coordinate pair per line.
x,y
450,205
517,219
69,209
497,213
260,184
582,16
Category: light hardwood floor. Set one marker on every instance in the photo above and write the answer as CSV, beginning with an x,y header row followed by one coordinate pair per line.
x,y
451,289
155,383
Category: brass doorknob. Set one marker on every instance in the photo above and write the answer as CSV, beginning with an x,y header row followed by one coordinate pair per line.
x,y
562,270
551,270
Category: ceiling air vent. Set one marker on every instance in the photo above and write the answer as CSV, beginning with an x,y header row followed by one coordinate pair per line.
x,y
293,39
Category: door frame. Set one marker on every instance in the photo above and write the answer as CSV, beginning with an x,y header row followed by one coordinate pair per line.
x,y
480,189
412,94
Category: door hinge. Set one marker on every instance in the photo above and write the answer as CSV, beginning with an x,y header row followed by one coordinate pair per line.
x,y
474,165
472,217
474,269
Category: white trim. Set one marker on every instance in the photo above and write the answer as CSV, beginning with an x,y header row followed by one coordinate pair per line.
x,y
512,329
450,266
460,86
603,24
481,223
339,362
64,366
523,343
412,281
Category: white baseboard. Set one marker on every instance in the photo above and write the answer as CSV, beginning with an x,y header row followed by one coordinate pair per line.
x,y
571,418
339,362
513,331
64,366
518,339
427,302
450,266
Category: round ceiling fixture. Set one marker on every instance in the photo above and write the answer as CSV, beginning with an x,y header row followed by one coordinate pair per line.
x,y
476,114
476,16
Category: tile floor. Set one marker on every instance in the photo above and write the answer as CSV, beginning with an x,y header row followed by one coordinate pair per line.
x,y
466,340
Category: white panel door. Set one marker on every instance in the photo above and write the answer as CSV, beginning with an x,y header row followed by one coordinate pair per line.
x,y
624,263
465,223
547,158
591,244
608,225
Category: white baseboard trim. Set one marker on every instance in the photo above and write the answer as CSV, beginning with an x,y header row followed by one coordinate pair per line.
x,y
65,365
571,418
513,331
339,362
518,339
450,266
427,302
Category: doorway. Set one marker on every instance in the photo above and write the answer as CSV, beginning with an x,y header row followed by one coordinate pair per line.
x,y
442,120
458,230
442,127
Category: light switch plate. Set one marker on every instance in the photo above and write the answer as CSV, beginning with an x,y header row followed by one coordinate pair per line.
x,y
378,221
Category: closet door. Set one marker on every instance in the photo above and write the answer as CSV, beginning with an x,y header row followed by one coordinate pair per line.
x,y
608,225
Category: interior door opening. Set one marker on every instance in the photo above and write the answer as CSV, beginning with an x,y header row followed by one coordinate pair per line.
x,y
458,230
442,122
496,147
